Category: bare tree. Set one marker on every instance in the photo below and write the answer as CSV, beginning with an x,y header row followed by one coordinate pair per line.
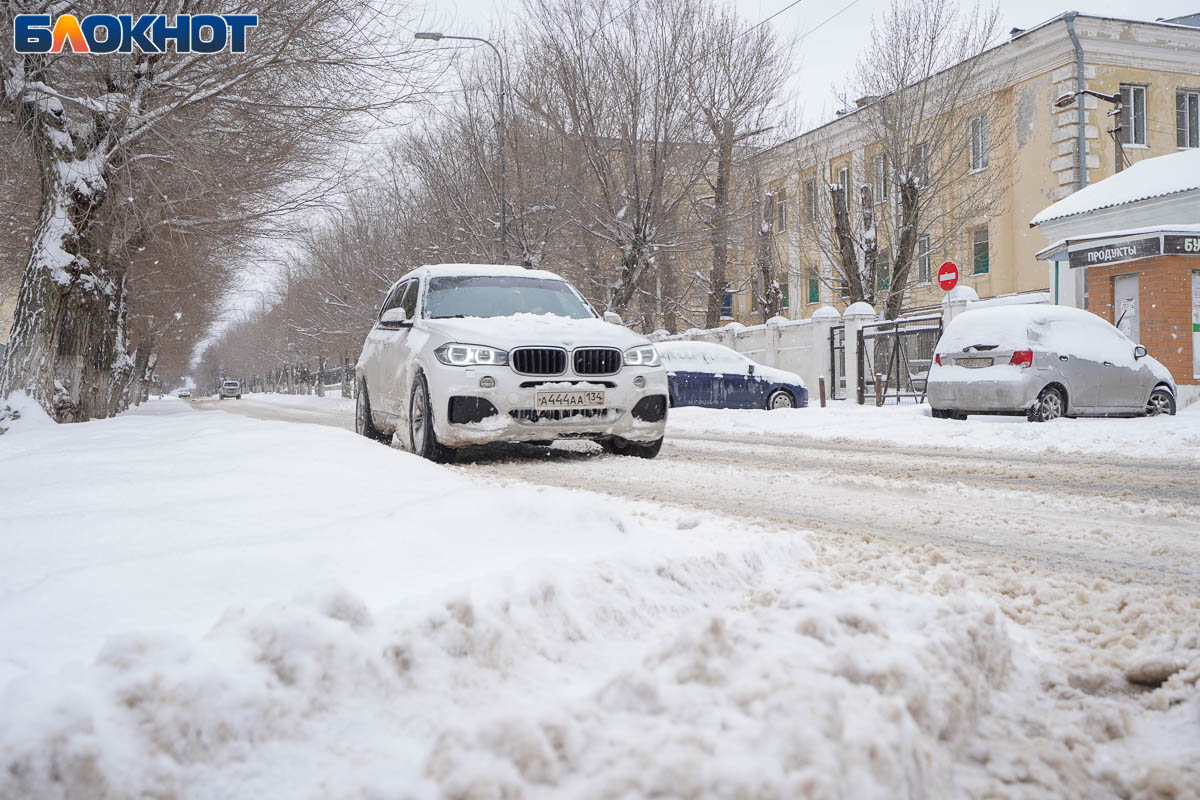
x,y
102,122
736,75
929,122
613,85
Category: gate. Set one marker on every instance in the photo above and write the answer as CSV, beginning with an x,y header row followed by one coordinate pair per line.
x,y
901,352
837,362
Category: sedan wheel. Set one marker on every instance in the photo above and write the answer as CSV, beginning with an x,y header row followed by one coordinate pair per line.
x,y
780,398
1161,402
1049,405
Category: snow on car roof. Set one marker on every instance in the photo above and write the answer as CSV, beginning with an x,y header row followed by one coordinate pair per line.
x,y
508,270
1150,177
1018,327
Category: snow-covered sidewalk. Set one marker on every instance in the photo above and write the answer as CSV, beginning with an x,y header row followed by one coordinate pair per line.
x,y
200,605
910,425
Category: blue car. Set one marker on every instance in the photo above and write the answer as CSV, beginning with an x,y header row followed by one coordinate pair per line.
x,y
714,376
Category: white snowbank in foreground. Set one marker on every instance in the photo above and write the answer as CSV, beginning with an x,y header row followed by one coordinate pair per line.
x,y
910,425
175,624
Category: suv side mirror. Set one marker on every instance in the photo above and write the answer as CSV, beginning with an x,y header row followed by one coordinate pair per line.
x,y
613,317
1139,352
751,372
394,318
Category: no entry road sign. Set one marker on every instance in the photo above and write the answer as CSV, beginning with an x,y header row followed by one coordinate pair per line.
x,y
947,276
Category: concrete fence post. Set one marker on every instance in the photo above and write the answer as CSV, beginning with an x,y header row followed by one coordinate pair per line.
x,y
855,317
956,301
822,323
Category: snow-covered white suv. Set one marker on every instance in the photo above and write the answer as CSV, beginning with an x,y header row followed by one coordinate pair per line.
x,y
465,354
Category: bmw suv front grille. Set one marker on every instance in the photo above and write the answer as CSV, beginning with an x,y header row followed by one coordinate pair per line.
x,y
596,361
538,360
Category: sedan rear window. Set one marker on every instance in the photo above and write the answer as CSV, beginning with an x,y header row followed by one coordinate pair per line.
x,y
502,296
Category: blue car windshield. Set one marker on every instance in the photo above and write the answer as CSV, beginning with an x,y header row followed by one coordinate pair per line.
x,y
502,296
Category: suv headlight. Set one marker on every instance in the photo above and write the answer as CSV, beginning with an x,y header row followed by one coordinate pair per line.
x,y
470,355
643,355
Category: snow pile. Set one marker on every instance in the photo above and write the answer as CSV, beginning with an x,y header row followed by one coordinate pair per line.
x,y
489,642
910,425
18,411
608,681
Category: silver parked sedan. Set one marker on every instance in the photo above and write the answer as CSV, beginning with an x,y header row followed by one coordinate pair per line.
x,y
1044,361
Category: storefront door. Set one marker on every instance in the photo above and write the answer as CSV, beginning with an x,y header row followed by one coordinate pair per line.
x,y
1125,306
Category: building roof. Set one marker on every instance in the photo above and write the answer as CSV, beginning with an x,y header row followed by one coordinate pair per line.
x,y
1148,178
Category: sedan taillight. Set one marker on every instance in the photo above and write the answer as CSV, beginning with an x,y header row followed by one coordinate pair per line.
x,y
1022,358
937,359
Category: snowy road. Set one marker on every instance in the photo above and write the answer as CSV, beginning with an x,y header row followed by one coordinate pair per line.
x,y
1099,516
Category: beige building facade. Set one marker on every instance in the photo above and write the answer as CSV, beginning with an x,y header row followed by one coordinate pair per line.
x,y
1033,158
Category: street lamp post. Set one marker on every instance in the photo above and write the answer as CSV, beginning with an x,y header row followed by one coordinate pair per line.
x,y
1065,100
435,37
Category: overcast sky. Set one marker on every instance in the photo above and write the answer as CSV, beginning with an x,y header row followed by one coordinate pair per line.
x,y
828,53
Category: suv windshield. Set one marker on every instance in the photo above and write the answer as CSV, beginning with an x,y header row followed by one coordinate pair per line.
x,y
502,296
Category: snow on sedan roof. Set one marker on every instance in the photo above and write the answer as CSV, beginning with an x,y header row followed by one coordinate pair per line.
x,y
1060,329
1150,177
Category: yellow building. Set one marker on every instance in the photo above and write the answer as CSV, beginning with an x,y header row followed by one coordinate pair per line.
x,y
1154,67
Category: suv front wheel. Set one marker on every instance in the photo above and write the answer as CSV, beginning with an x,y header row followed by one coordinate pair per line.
x,y
420,425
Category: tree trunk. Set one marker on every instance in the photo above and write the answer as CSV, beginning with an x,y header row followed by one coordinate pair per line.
x,y
718,275
67,347
64,349
845,240
905,251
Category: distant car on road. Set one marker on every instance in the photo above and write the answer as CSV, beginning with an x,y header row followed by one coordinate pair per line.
x,y
1044,362
184,393
230,389
715,376
465,354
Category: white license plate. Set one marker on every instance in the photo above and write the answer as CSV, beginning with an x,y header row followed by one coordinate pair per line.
x,y
582,399
974,363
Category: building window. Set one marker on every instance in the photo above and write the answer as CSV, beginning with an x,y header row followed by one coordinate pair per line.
x,y
881,178
727,304
781,211
923,258
810,198
783,295
1187,118
844,181
1133,115
814,290
979,250
768,213
883,270
979,143
920,164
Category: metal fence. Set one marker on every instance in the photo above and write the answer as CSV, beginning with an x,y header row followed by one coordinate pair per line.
x,y
896,356
837,362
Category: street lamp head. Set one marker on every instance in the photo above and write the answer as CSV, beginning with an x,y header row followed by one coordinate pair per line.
x,y
1065,100
430,35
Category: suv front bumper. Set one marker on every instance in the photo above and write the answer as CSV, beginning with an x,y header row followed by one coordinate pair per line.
x,y
517,418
